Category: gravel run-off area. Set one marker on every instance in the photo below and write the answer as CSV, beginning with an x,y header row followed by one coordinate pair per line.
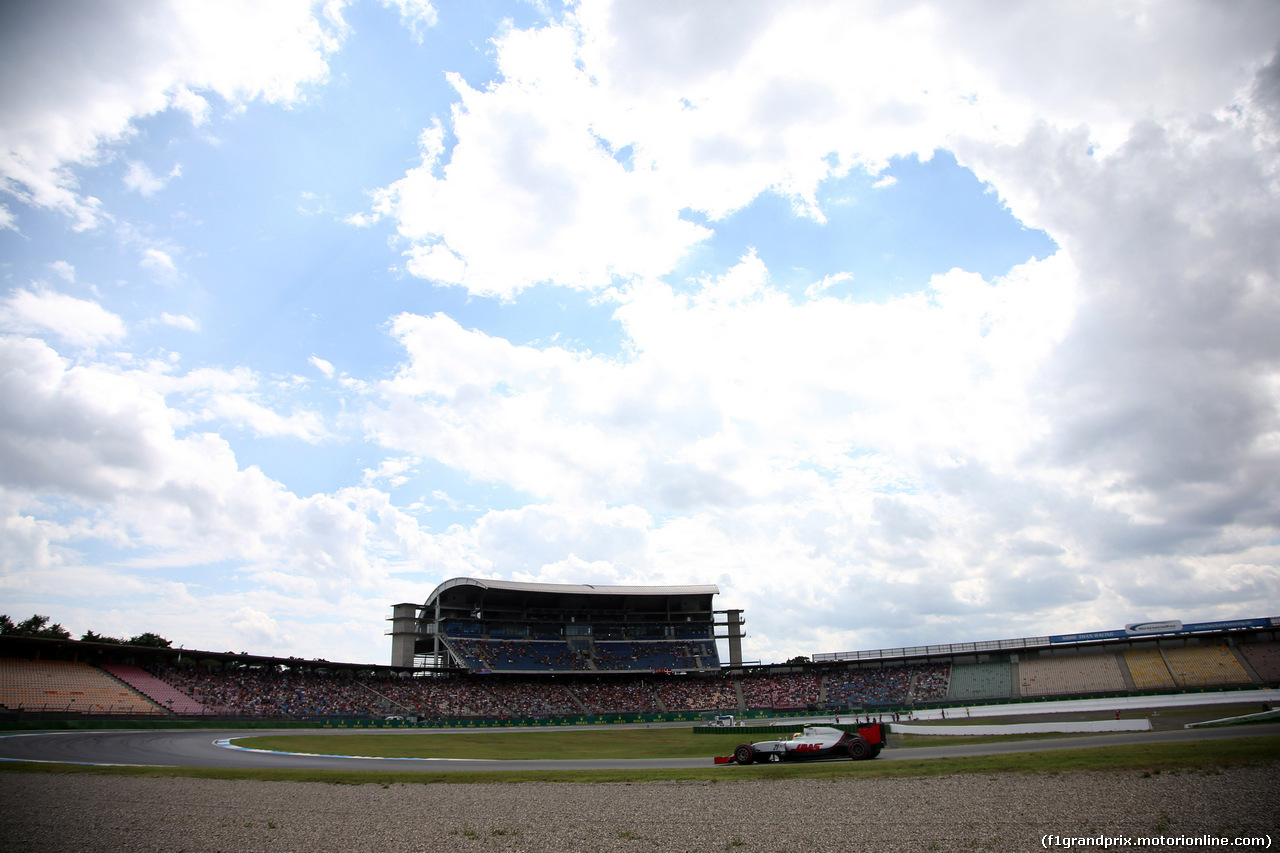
x,y
1006,812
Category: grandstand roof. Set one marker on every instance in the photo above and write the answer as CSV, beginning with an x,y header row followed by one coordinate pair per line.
x,y
574,588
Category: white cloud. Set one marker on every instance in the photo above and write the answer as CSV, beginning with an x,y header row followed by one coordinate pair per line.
x,y
64,270
140,179
80,322
180,321
242,410
1087,440
1164,396
416,15
103,446
395,472
321,365
158,261
732,388
134,60
604,128
529,173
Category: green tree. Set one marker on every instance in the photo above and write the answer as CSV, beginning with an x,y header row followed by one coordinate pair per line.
x,y
150,639
91,637
36,626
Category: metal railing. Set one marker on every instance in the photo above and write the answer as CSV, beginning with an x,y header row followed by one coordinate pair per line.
x,y
932,651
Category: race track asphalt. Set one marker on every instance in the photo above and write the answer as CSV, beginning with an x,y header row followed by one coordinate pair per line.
x,y
203,749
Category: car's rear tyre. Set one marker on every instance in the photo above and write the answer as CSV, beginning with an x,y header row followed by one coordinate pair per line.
x,y
744,754
859,749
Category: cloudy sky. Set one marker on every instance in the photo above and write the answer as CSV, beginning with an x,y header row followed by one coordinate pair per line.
x,y
902,322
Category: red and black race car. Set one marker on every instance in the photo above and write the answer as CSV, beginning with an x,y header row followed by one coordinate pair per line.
x,y
814,742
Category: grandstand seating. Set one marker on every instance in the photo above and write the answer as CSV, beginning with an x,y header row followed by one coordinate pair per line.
x,y
1148,670
265,693
316,690
889,685
981,681
518,655
161,692
680,693
1099,673
64,687
881,685
931,682
1264,658
791,691
1206,666
581,655
645,656
615,695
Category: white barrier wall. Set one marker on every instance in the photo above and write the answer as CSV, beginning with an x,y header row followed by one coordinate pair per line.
x,y
1142,725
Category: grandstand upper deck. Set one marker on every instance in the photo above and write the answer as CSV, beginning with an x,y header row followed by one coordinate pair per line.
x,y
549,627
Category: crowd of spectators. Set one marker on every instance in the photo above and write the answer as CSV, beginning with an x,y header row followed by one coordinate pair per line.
x,y
932,680
888,685
781,692
613,695
646,655
693,693
267,693
300,693
518,655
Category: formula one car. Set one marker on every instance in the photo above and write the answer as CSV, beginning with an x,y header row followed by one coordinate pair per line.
x,y
814,742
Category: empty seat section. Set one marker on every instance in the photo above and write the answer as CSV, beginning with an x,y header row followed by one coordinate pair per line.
x,y
981,681
1205,666
61,686
1070,675
1148,670
161,692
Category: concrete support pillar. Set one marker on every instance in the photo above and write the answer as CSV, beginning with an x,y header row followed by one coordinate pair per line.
x,y
404,631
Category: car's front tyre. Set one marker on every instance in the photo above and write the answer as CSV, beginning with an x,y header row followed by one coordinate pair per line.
x,y
744,754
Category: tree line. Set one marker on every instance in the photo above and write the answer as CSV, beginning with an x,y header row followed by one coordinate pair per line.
x,y
38,626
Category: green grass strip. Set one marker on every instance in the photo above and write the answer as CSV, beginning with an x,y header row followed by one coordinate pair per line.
x,y
509,745
1199,756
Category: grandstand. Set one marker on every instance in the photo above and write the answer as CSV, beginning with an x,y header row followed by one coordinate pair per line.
x,y
1076,675
164,694
66,687
1205,666
1148,669
490,626
1264,660
981,682
510,653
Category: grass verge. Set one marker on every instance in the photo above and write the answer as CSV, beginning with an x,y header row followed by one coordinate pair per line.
x,y
512,745
1197,756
